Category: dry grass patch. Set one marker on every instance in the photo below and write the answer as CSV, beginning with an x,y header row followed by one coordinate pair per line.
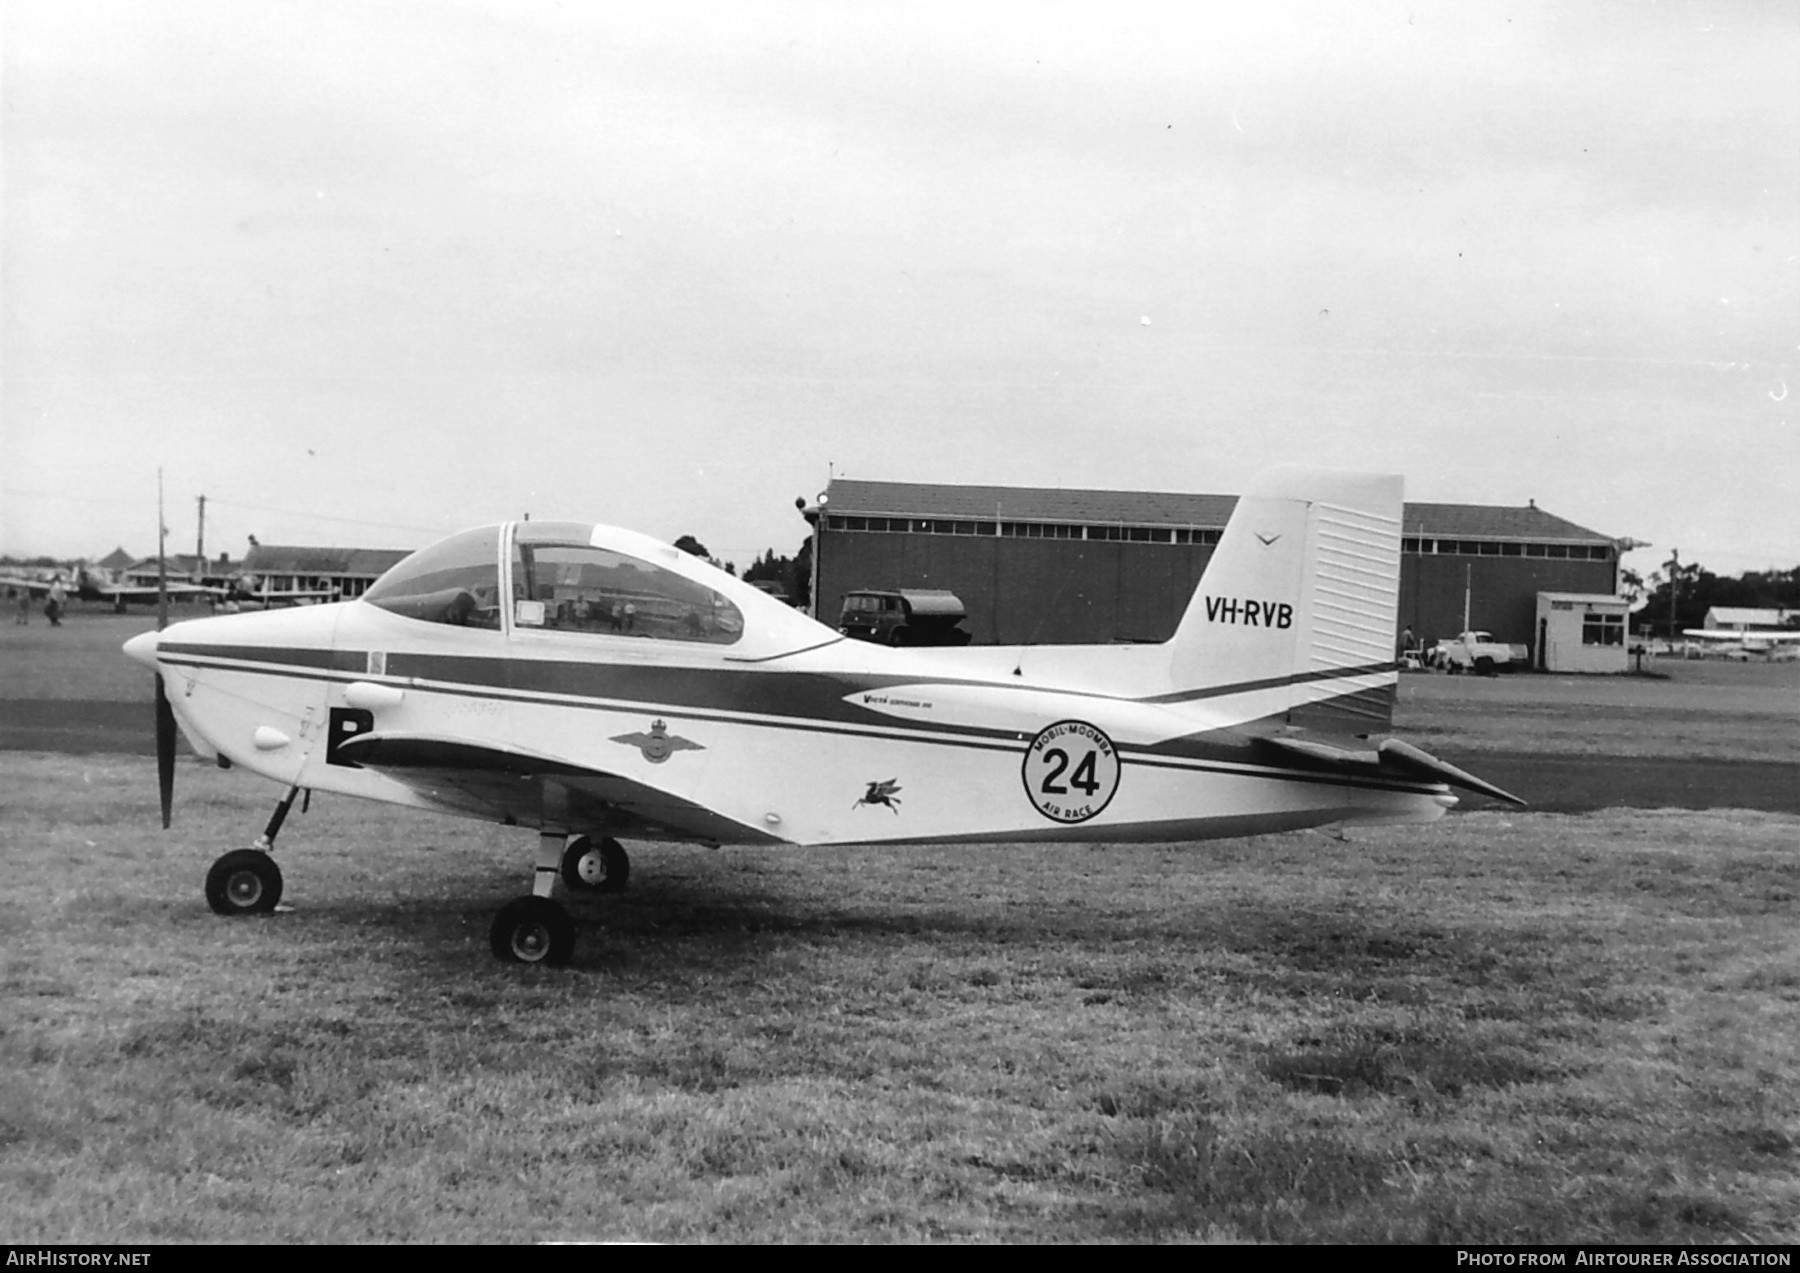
x,y
1498,1028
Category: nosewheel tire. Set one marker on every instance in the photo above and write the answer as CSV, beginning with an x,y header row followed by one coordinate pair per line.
x,y
244,882
595,866
533,930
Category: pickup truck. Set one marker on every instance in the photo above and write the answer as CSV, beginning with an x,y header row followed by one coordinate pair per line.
x,y
1479,653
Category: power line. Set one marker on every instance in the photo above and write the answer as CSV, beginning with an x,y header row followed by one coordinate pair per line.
x,y
325,517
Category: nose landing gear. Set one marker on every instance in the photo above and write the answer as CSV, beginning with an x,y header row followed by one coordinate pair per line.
x,y
244,882
247,881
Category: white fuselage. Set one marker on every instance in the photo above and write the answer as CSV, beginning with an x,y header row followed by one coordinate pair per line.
x,y
839,742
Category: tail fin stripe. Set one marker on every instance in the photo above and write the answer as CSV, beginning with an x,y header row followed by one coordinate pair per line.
x,y
1273,682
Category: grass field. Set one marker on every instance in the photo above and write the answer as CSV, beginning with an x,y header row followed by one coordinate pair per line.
x,y
1499,1028
1493,1029
1690,709
81,660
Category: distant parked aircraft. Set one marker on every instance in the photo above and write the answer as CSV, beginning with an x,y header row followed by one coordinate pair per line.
x,y
1732,640
89,586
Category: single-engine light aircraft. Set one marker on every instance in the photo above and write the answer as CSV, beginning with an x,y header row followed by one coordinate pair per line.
x,y
592,684
85,585
1742,641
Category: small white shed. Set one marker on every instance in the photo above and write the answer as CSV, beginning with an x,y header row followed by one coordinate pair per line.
x,y
1581,632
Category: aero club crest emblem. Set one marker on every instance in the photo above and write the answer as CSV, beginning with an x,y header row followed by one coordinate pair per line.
x,y
659,744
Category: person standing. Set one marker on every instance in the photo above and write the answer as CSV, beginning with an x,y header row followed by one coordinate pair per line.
x,y
24,606
53,607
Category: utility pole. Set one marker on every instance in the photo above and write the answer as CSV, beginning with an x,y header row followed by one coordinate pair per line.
x,y
200,541
1673,565
162,559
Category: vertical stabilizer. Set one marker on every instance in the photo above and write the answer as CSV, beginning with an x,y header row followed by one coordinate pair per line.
x,y
1294,619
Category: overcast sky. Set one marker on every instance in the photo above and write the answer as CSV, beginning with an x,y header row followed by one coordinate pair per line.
x,y
368,273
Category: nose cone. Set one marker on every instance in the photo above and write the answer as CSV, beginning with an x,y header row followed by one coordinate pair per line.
x,y
143,648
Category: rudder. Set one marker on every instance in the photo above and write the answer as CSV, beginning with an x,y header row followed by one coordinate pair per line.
x,y
1294,617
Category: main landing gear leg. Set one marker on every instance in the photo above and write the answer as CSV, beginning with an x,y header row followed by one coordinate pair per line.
x,y
247,881
535,929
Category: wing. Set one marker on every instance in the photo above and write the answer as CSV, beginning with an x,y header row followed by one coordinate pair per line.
x,y
36,587
521,788
1393,759
1732,634
147,592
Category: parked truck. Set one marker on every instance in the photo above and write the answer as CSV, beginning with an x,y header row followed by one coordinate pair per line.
x,y
1479,653
906,616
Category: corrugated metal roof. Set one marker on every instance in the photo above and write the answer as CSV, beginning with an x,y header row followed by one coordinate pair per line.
x,y
1492,521
857,497
1027,504
289,559
178,563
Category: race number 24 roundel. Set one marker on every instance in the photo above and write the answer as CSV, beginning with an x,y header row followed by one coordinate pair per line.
x,y
1071,771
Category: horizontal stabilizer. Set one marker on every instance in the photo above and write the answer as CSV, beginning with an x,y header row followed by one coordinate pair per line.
x,y
1404,756
1330,754
1394,759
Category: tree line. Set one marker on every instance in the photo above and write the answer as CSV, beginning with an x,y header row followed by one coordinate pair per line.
x,y
1695,590
792,574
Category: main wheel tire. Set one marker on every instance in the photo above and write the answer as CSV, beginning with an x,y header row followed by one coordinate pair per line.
x,y
591,866
244,882
533,930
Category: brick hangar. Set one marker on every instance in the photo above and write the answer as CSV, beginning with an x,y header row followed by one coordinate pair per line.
x,y
1076,566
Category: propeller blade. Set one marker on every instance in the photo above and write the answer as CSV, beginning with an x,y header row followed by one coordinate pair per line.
x,y
165,750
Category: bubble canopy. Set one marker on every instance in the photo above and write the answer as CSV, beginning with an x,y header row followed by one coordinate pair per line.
x,y
562,580
581,579
455,581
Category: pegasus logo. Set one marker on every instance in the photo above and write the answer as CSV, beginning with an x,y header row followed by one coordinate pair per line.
x,y
882,793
